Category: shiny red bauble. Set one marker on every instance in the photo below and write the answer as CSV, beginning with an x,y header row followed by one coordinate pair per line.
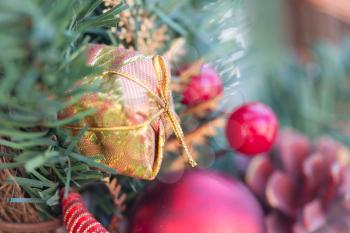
x,y
202,87
252,128
201,202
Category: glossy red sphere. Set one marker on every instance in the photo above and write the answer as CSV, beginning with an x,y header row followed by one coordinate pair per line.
x,y
252,128
202,87
201,202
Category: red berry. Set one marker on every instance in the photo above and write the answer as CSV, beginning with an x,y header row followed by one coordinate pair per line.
x,y
201,202
202,87
252,129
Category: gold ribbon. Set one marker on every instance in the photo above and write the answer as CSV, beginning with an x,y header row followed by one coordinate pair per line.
x,y
164,101
163,81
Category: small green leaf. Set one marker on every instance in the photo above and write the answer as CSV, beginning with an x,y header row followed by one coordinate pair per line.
x,y
26,144
93,163
68,179
20,134
25,200
74,142
170,22
88,10
54,200
28,182
107,19
39,160
66,121
80,167
43,179
9,165
47,192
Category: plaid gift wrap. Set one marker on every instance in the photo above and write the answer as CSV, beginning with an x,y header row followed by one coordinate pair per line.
x,y
134,112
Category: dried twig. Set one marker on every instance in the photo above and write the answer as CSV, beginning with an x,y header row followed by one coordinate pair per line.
x,y
202,109
176,50
192,70
195,137
119,203
137,30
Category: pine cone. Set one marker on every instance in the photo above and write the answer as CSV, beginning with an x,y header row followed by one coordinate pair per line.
x,y
304,186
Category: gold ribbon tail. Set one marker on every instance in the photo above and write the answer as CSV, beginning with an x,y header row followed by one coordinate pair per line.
x,y
180,136
163,83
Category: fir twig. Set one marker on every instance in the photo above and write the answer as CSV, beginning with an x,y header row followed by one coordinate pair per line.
x,y
43,59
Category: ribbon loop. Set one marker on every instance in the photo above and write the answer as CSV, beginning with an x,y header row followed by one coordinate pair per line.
x,y
163,83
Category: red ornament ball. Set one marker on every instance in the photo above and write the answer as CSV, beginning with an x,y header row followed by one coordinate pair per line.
x,y
252,128
202,87
201,202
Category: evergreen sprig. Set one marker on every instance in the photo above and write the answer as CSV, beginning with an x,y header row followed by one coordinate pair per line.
x,y
41,59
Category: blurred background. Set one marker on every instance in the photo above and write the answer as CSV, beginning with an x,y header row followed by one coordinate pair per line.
x,y
301,60
291,57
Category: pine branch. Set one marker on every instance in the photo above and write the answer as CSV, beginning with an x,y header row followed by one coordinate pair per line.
x,y
43,44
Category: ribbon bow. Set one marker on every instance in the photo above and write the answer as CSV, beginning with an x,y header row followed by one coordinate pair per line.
x,y
163,83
